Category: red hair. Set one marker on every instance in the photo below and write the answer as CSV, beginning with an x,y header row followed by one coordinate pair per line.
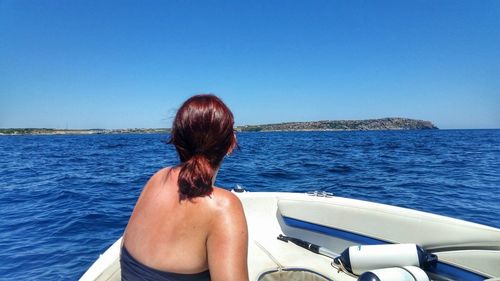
x,y
202,134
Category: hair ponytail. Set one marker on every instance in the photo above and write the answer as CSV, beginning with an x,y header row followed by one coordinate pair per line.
x,y
203,134
195,177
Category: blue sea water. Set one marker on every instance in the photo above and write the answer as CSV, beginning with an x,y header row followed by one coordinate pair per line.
x,y
65,199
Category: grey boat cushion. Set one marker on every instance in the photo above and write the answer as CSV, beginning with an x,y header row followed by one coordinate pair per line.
x,y
292,275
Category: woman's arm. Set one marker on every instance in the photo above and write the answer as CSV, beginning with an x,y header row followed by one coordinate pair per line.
x,y
227,242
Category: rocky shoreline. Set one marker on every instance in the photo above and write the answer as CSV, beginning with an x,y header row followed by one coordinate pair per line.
x,y
395,123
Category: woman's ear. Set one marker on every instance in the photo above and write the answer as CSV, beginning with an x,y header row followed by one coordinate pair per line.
x,y
233,145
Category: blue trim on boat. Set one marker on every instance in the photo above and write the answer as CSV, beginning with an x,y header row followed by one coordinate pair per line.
x,y
443,269
346,235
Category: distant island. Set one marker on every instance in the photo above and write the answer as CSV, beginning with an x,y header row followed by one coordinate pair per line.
x,y
395,123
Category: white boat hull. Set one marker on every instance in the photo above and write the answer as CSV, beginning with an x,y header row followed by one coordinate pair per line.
x,y
467,251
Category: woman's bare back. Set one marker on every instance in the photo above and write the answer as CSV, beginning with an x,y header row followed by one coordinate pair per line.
x,y
175,235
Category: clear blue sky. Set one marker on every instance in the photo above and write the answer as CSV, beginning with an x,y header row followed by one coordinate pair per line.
x,y
126,64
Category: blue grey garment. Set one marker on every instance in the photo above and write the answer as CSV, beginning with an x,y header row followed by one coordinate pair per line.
x,y
133,270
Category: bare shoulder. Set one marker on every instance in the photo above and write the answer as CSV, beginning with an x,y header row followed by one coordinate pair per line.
x,y
162,173
160,176
229,215
158,179
227,243
226,200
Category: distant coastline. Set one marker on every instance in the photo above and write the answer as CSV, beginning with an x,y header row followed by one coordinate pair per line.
x,y
48,131
393,123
